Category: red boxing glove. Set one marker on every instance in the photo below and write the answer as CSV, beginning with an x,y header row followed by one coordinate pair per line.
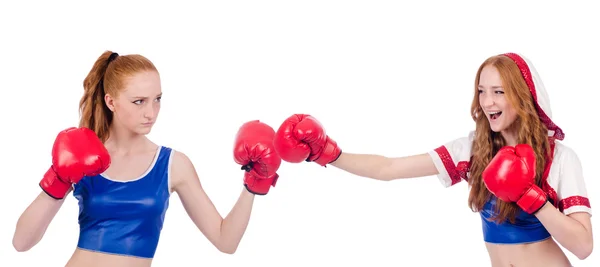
x,y
77,152
510,176
253,149
302,138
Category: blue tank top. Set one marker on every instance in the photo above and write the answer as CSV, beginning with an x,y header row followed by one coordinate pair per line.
x,y
526,229
124,218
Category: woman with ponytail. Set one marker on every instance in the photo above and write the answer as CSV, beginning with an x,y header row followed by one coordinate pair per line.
x,y
123,181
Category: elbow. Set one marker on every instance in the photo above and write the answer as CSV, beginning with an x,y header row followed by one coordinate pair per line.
x,y
20,246
227,249
22,249
386,171
24,241
384,174
381,175
583,255
585,250
384,178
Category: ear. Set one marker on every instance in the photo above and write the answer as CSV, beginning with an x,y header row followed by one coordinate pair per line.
x,y
110,102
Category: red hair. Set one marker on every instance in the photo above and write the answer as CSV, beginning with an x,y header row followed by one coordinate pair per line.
x,y
107,76
530,130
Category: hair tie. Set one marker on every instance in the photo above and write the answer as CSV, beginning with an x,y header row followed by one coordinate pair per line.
x,y
112,57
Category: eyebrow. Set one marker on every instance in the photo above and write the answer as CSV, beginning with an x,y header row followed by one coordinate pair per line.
x,y
493,87
143,97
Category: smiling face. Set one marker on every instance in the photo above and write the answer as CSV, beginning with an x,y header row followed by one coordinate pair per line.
x,y
136,107
499,111
505,114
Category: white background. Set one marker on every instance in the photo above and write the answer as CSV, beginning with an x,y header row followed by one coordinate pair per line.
x,y
370,71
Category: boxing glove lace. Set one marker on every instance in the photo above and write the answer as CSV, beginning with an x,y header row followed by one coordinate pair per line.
x,y
253,149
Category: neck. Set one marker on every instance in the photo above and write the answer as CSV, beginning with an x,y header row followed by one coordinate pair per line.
x,y
510,137
123,141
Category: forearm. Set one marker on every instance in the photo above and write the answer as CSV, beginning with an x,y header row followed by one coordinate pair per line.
x,y
365,165
234,225
34,221
570,233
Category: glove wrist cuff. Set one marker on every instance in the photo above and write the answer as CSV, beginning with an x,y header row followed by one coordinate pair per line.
x,y
533,200
53,185
257,185
330,153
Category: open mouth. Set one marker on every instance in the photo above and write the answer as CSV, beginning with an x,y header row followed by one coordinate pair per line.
x,y
495,115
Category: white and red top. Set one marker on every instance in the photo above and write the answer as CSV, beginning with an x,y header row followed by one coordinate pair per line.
x,y
565,179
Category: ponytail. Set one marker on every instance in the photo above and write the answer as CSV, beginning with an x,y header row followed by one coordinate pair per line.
x,y
107,76
94,112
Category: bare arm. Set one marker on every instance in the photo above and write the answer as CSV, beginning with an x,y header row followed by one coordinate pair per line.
x,y
386,168
34,221
573,231
224,234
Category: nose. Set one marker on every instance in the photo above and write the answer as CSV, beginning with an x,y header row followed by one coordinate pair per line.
x,y
486,100
149,112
